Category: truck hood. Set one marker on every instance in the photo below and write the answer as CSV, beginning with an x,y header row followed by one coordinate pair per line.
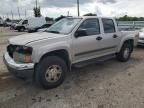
x,y
28,38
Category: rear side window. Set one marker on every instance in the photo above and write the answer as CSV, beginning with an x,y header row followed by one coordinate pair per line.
x,y
108,25
91,26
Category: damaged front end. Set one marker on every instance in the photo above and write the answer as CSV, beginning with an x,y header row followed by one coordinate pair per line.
x,y
20,54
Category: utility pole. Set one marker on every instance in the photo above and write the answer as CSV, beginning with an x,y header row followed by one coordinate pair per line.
x,y
78,7
36,9
36,4
25,13
7,15
12,14
67,13
18,12
3,17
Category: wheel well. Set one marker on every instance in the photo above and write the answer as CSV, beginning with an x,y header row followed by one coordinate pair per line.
x,y
19,27
23,27
131,42
63,54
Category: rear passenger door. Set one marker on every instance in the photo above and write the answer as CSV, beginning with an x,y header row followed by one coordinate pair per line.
x,y
111,39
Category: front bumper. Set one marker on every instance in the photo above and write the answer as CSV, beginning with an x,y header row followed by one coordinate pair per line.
x,y
24,70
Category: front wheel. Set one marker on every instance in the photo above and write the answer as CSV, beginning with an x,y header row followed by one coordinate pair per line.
x,y
50,72
22,29
125,52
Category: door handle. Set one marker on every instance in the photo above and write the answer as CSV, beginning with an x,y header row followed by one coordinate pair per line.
x,y
115,36
99,38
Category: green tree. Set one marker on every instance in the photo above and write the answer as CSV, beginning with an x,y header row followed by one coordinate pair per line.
x,y
59,18
90,14
129,18
37,12
49,19
8,20
141,19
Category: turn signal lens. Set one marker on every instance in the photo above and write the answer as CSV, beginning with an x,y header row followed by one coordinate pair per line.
x,y
28,59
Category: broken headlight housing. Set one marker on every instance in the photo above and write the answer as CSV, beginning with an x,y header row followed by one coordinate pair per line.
x,y
22,54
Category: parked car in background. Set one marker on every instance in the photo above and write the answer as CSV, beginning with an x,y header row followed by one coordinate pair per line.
x,y
1,22
7,23
42,28
48,56
30,23
141,37
14,23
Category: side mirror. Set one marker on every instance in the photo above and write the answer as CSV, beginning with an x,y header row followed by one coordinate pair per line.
x,y
80,32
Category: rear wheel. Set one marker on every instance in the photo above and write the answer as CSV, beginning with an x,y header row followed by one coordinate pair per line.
x,y
125,52
50,72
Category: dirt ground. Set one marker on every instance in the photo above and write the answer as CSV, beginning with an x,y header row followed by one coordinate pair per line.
x,y
109,84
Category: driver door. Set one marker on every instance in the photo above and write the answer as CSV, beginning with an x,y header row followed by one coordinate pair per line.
x,y
86,45
25,23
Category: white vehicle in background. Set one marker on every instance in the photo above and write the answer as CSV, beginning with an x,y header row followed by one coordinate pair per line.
x,y
40,29
30,23
141,37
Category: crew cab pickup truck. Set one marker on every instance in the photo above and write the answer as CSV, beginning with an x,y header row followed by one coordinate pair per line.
x,y
47,56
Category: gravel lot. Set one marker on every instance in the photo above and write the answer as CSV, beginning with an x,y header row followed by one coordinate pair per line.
x,y
109,84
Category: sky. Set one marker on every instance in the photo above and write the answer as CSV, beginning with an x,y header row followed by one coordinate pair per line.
x,y
55,8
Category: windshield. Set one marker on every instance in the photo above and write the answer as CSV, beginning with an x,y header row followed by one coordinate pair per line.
x,y
20,22
64,26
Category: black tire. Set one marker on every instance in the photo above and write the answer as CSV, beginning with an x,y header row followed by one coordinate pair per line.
x,y
18,30
127,46
30,31
22,29
41,72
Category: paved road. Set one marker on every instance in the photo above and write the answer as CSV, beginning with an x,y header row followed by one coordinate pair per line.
x,y
110,84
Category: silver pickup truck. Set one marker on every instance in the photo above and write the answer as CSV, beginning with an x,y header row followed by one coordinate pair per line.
x,y
47,56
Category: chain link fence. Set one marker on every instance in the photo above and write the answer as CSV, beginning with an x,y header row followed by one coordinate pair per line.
x,y
131,24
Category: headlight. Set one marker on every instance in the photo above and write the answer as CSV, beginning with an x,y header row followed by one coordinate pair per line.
x,y
23,54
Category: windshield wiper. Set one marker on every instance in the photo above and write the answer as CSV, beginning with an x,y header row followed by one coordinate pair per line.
x,y
54,32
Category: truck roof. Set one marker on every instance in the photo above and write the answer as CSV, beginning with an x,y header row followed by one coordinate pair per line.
x,y
85,17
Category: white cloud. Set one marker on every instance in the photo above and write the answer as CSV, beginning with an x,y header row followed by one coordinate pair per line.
x,y
115,10
100,8
104,8
136,7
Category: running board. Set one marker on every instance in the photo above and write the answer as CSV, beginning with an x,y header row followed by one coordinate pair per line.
x,y
92,61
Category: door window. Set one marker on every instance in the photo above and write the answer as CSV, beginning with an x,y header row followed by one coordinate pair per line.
x,y
91,27
108,25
